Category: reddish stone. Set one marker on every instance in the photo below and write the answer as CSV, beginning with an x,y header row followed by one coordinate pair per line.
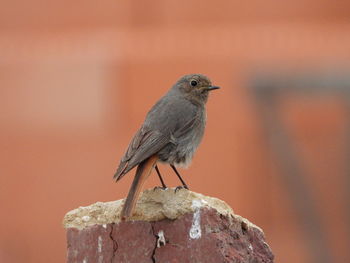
x,y
135,242
222,239
92,244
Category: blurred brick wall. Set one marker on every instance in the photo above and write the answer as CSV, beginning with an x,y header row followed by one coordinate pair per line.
x,y
76,79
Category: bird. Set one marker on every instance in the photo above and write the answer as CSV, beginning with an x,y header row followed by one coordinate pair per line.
x,y
170,133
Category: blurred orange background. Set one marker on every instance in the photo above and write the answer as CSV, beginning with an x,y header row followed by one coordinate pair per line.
x,y
77,79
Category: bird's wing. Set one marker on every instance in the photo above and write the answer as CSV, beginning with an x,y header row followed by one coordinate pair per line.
x,y
145,143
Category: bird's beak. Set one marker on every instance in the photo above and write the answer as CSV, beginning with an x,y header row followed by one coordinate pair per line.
x,y
213,87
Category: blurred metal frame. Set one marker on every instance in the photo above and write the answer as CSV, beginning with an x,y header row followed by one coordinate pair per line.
x,y
268,89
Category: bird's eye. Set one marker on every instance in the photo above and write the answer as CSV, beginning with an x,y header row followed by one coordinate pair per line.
x,y
193,83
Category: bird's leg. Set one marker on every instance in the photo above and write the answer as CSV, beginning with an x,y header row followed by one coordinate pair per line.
x,y
184,185
161,179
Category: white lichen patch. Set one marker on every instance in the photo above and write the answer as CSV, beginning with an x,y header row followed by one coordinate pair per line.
x,y
161,239
195,230
99,249
99,244
85,218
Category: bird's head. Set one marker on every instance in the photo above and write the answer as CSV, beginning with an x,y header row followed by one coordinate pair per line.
x,y
195,87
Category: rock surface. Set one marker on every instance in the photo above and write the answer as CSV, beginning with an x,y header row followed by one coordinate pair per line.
x,y
166,227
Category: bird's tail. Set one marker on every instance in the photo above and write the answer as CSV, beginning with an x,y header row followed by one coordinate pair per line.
x,y
143,171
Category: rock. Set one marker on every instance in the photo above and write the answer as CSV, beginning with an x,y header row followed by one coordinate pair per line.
x,y
166,227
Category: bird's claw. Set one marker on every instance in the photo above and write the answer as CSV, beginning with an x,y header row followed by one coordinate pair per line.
x,y
160,187
181,187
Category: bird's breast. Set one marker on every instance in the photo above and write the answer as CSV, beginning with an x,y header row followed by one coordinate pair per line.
x,y
181,151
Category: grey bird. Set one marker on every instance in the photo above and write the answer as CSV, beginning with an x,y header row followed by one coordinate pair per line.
x,y
171,133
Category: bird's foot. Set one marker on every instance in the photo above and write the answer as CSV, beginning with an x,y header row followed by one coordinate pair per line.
x,y
181,187
160,187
